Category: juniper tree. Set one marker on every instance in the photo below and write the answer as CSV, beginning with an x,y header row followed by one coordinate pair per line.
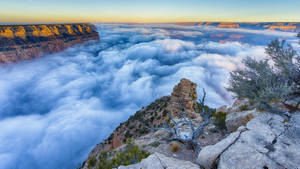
x,y
262,82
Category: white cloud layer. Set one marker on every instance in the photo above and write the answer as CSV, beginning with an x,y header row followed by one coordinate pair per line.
x,y
53,110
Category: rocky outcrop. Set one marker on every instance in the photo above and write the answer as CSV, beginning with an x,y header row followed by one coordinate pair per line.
x,y
208,156
154,115
183,94
24,42
160,161
267,142
235,120
259,140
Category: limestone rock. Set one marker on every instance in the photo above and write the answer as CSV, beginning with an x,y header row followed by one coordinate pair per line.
x,y
160,161
116,142
269,142
237,119
222,109
236,106
185,92
209,154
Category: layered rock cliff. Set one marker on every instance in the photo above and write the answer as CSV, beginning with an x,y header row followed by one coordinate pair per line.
x,y
24,42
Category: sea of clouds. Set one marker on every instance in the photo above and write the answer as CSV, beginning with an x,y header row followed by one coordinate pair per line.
x,y
55,109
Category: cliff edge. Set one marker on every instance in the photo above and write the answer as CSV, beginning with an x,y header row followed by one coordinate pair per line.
x,y
25,42
237,137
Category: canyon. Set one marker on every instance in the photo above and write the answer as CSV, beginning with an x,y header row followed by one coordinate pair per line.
x,y
25,42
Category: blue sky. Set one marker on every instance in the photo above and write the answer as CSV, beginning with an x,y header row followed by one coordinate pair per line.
x,y
148,11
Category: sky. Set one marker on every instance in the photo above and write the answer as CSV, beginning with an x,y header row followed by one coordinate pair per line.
x,y
149,11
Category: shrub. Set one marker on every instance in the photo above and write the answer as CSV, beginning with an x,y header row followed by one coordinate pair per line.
x,y
131,127
174,147
220,118
154,144
92,162
130,155
244,107
198,107
262,83
165,112
128,134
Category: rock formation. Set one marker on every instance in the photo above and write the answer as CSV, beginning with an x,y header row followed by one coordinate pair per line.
x,y
160,161
24,42
183,94
254,140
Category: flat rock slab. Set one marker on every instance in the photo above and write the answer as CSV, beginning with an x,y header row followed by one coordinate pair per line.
x,y
269,142
160,161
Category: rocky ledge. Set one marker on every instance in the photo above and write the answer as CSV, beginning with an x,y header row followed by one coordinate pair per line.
x,y
24,42
237,137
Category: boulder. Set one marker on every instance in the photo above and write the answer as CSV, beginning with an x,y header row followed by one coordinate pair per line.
x,y
160,161
269,142
235,120
209,154
236,106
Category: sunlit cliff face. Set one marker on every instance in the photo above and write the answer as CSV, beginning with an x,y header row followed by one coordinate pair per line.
x,y
54,109
25,42
42,30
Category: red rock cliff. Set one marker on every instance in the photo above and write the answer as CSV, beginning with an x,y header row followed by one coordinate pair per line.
x,y
24,42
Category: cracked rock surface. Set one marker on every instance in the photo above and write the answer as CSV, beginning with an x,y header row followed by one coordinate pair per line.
x,y
209,154
269,142
160,161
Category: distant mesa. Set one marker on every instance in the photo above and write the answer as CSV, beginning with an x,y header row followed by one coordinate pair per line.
x,y
228,25
279,26
25,42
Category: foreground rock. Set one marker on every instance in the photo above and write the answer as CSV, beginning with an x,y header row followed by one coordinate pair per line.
x,y
237,119
269,142
159,161
24,42
209,154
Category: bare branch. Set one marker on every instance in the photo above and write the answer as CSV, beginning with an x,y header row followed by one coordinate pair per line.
x,y
195,133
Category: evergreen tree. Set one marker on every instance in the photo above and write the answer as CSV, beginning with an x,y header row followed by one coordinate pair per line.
x,y
276,78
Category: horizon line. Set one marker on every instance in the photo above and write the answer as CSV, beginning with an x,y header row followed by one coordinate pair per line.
x,y
128,22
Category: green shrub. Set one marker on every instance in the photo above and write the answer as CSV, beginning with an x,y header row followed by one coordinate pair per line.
x,y
263,83
131,127
220,118
165,113
130,155
152,118
198,108
92,162
244,107
154,144
128,134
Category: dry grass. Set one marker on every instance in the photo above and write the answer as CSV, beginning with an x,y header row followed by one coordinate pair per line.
x,y
175,147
